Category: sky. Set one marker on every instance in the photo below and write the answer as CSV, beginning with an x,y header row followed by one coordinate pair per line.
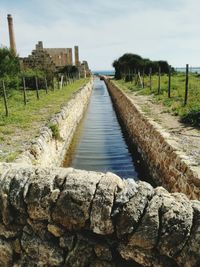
x,y
106,29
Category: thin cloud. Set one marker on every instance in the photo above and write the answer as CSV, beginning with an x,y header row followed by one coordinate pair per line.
x,y
104,30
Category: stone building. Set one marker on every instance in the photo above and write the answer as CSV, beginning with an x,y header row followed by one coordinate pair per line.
x,y
76,56
60,56
52,59
39,59
84,69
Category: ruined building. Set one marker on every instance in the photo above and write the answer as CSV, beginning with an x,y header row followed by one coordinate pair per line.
x,y
76,55
53,59
60,56
48,59
39,59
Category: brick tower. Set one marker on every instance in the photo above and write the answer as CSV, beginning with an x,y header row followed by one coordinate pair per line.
x,y
11,33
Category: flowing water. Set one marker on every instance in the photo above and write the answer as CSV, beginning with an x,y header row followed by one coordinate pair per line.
x,y
99,143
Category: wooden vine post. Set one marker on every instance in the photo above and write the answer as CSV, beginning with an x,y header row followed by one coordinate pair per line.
x,y
46,85
150,78
24,91
37,89
5,98
186,84
169,82
159,74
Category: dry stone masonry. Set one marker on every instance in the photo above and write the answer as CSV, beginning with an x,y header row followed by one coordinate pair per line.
x,y
46,150
168,166
65,217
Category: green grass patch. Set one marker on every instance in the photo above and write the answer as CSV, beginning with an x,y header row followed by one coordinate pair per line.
x,y
24,122
175,104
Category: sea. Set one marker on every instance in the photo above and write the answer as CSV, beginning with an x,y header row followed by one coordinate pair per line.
x,y
191,69
104,72
112,72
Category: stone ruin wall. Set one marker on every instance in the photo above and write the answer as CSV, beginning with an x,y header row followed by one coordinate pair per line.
x,y
70,218
169,166
45,150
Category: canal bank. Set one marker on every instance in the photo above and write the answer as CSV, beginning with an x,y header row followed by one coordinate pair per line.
x,y
100,144
49,147
168,166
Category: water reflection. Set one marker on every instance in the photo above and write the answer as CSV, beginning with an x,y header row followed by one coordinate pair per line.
x,y
100,144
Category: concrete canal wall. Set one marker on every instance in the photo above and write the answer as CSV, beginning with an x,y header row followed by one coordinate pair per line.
x,y
168,166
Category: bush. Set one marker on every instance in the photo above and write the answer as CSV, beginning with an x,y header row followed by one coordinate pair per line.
x,y
192,117
9,63
55,131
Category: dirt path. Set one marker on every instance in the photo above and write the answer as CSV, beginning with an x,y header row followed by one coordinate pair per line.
x,y
187,138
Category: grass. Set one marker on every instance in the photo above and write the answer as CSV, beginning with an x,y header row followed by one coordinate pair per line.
x,y
175,104
24,122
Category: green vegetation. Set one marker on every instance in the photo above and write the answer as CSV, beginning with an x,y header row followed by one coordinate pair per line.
x,y
24,122
129,64
189,113
9,68
55,131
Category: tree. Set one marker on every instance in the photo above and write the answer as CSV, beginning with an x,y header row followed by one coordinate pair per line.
x,y
129,63
9,68
9,63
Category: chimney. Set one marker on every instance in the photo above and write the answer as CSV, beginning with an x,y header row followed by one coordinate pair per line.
x,y
11,34
76,52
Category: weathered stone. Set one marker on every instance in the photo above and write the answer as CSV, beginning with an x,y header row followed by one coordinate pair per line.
x,y
6,177
81,255
9,231
6,254
101,221
149,226
100,263
103,252
128,218
17,189
37,227
38,194
176,217
190,255
55,230
129,190
67,241
72,209
42,252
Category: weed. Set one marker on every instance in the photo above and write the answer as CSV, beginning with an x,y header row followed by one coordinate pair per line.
x,y
55,131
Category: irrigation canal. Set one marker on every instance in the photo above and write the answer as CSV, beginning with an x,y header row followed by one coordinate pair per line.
x,y
100,144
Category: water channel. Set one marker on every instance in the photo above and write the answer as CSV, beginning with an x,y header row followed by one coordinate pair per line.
x,y
100,143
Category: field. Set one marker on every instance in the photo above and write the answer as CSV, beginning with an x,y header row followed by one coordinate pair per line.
x,y
24,122
189,113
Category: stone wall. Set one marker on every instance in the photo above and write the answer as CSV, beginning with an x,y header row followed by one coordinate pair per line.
x,y
168,166
46,150
64,217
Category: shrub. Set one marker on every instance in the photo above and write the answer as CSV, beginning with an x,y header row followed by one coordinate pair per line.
x,y
55,131
192,117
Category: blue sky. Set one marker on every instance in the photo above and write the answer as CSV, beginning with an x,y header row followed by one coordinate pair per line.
x,y
104,30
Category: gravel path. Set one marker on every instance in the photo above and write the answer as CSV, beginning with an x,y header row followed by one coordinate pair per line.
x,y
187,137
